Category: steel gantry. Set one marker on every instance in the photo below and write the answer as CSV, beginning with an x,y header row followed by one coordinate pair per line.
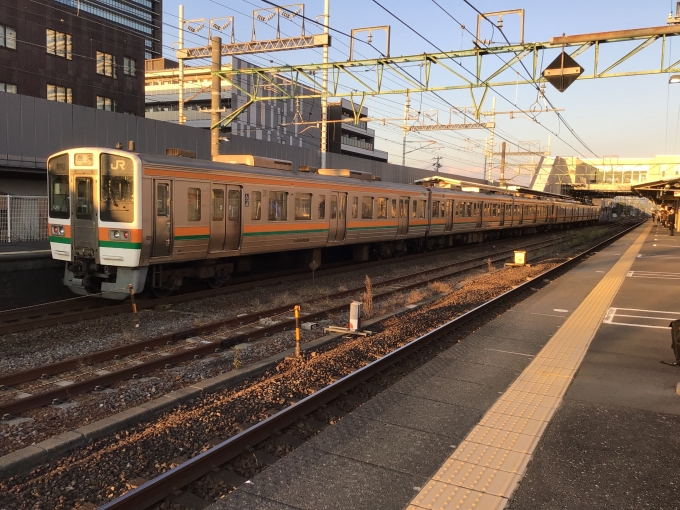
x,y
368,76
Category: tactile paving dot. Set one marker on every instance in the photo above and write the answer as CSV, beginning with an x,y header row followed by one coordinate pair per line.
x,y
478,478
511,423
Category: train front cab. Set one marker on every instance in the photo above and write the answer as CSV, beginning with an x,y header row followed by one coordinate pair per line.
x,y
94,220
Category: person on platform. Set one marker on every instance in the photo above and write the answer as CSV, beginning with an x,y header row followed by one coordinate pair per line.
x,y
671,221
653,217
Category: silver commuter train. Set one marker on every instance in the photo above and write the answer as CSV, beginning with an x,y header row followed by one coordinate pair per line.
x,y
120,218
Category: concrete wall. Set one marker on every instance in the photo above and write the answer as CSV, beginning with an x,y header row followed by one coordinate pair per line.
x,y
31,129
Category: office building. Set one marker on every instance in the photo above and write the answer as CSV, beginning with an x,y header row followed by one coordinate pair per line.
x,y
83,52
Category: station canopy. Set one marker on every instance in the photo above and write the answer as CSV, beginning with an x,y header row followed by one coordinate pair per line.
x,y
663,192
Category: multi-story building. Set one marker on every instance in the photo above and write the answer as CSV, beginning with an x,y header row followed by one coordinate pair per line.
x,y
348,138
277,121
84,52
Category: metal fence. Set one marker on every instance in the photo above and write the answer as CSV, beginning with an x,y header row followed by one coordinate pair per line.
x,y
23,218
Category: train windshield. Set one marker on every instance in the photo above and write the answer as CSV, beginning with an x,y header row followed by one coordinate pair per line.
x,y
117,191
57,169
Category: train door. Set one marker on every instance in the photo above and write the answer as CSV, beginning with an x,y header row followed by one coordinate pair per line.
x,y
500,209
218,218
338,217
162,240
448,212
232,239
479,211
402,225
84,237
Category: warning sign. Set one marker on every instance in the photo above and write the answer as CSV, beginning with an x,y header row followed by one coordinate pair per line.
x,y
562,72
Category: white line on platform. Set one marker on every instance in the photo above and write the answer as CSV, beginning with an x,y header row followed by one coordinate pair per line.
x,y
510,352
652,274
613,313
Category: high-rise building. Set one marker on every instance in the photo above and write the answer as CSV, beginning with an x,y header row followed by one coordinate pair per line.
x,y
85,52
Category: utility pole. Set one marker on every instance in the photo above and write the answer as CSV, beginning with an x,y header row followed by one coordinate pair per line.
x,y
180,118
407,107
493,130
216,96
324,83
502,178
437,165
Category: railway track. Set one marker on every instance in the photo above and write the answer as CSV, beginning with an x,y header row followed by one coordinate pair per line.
x,y
177,352
84,308
154,491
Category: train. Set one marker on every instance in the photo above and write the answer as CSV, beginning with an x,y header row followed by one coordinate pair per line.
x,y
124,221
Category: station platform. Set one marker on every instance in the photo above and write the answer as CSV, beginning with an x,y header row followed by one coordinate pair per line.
x,y
29,275
560,402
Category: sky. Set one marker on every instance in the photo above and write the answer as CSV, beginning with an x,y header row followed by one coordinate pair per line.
x,y
625,117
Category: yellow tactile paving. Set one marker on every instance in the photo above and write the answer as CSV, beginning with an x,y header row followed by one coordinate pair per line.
x,y
477,478
489,456
514,424
487,466
442,495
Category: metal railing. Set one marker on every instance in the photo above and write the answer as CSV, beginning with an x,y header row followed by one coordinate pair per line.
x,y
23,218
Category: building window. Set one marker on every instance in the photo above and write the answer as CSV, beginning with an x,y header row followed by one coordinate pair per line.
x,y
106,64
60,94
8,87
104,103
129,66
8,37
59,44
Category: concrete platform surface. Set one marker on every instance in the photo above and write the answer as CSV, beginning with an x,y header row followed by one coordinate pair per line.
x,y
384,453
615,442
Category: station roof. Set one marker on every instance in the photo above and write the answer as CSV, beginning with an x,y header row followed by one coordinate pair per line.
x,y
660,192
438,181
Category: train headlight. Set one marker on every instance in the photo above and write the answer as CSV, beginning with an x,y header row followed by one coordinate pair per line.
x,y
61,231
119,235
116,234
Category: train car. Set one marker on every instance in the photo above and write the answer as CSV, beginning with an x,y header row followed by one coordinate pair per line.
x,y
122,220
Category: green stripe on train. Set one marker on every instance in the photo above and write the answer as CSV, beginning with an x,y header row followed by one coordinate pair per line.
x,y
58,239
192,238
285,232
386,226
120,244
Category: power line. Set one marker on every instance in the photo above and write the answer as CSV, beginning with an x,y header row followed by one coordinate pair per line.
x,y
573,132
441,51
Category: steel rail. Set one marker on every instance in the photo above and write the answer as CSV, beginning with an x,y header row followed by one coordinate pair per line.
x,y
52,314
125,350
154,491
18,406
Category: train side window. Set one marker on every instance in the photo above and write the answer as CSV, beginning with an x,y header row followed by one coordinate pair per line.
x,y
367,208
256,205
414,211
322,207
162,200
442,214
393,212
421,208
355,207
303,206
334,207
217,199
234,205
278,206
382,208
435,209
194,204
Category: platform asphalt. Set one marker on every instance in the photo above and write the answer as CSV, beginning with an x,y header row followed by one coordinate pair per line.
x,y
383,454
615,442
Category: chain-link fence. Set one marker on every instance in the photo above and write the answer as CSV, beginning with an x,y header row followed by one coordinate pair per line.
x,y
23,218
